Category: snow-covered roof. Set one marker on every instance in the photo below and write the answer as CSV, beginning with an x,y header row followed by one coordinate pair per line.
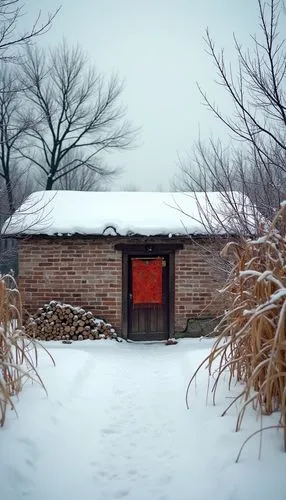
x,y
121,213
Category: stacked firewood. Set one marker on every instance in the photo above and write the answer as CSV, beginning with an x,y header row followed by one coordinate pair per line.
x,y
56,321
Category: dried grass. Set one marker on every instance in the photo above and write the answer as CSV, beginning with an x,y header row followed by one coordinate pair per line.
x,y
18,352
251,346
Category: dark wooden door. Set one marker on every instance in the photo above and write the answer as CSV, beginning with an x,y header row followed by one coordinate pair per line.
x,y
149,321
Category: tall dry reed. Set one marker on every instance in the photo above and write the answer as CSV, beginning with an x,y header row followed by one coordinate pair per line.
x,y
18,352
251,345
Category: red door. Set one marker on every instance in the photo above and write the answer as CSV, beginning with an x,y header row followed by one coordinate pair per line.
x,y
148,298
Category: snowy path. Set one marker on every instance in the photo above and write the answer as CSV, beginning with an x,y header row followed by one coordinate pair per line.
x,y
115,427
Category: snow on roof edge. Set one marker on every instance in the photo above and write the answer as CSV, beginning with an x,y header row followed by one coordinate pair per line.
x,y
122,214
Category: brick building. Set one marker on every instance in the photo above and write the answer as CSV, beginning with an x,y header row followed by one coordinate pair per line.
x,y
142,261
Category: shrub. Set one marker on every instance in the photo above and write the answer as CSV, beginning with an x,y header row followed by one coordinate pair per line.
x,y
251,345
18,352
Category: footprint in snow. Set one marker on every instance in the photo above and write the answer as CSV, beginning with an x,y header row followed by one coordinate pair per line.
x,y
55,420
31,446
104,475
132,472
109,430
21,484
166,454
121,493
30,463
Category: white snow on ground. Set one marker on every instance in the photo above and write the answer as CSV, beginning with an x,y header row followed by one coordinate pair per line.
x,y
115,426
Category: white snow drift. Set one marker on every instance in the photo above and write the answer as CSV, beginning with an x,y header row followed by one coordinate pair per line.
x,y
115,426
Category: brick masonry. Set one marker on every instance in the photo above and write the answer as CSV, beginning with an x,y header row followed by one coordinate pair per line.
x,y
196,284
88,272
80,272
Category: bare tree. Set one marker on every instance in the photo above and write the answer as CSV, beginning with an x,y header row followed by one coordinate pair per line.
x,y
14,180
212,167
258,88
11,36
255,165
13,126
12,123
75,111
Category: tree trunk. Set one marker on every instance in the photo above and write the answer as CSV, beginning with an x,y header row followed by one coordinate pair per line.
x,y
9,194
49,184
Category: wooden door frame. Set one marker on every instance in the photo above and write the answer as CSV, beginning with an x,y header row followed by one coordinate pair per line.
x,y
129,250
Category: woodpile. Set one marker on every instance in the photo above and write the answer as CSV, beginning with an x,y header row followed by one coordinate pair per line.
x,y
56,321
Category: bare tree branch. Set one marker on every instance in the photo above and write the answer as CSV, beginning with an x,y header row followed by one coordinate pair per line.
x,y
76,112
13,126
11,36
256,164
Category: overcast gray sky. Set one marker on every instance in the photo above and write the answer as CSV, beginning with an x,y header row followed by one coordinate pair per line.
x,y
157,47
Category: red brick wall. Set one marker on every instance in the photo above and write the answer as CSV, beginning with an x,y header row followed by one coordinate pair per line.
x,y
88,273
196,283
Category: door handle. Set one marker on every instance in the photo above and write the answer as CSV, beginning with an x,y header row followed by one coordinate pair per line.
x,y
130,296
